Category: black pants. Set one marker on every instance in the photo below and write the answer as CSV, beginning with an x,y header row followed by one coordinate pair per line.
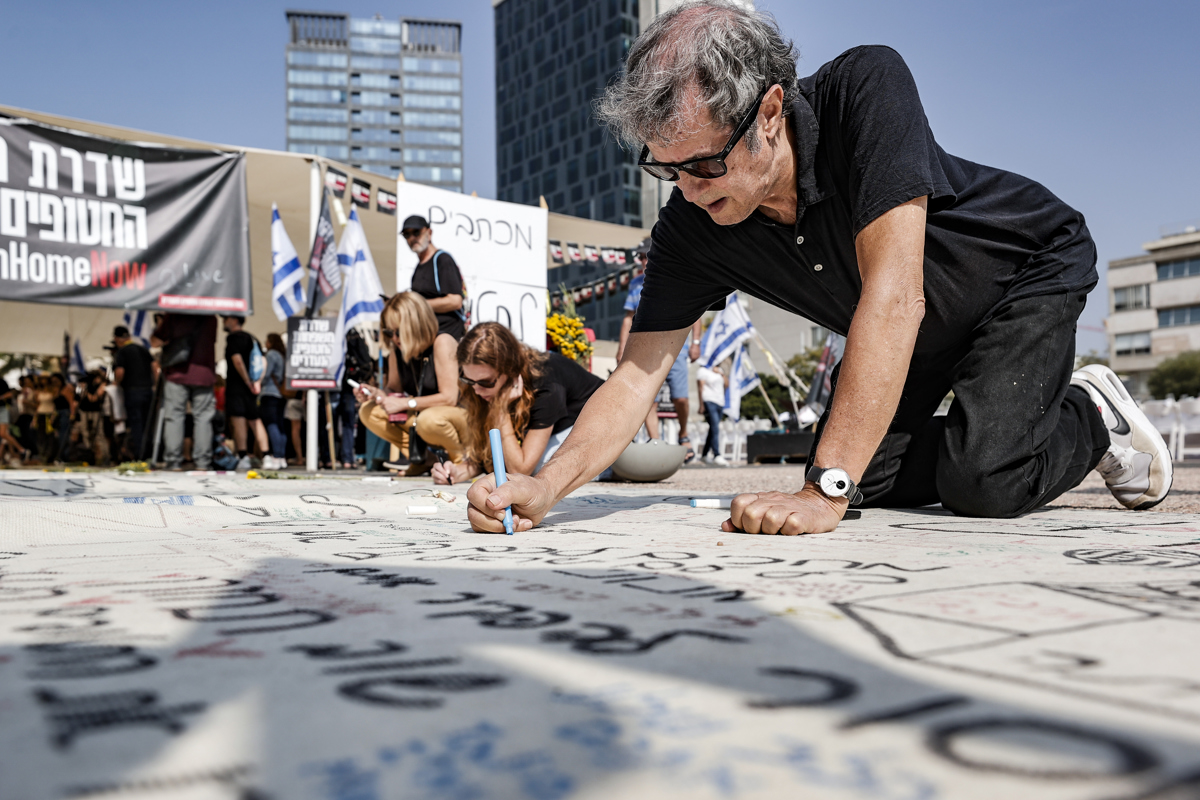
x,y
1018,434
138,402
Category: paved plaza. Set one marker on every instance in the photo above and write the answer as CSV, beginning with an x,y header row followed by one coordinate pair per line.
x,y
167,635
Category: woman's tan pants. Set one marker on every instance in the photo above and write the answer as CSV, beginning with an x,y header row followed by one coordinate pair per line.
x,y
439,426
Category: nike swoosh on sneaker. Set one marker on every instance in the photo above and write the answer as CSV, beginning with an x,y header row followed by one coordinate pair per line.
x,y
1122,427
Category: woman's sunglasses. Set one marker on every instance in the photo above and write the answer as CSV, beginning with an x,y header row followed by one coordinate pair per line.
x,y
708,167
481,384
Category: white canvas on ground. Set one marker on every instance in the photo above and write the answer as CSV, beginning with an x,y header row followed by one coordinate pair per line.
x,y
180,637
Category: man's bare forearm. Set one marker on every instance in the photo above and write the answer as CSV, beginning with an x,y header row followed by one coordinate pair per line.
x,y
240,365
878,351
880,343
613,415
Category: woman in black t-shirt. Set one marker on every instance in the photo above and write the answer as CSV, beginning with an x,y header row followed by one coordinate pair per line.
x,y
422,383
532,398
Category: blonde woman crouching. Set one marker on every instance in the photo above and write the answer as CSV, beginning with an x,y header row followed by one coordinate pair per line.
x,y
422,384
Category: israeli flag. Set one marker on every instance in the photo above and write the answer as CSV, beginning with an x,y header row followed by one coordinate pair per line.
x,y
77,369
141,325
287,276
742,379
361,289
728,330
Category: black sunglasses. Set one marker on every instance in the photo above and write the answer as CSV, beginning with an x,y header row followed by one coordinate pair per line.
x,y
390,333
411,233
708,167
481,384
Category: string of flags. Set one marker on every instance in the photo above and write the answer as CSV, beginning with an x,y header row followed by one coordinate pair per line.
x,y
573,253
360,191
594,288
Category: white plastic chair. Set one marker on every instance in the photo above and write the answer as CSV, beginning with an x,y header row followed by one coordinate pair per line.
x,y
668,430
729,444
1164,416
1189,422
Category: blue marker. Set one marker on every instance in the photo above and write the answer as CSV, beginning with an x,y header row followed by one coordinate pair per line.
x,y
501,475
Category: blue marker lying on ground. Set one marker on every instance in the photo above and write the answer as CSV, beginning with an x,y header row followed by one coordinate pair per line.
x,y
501,475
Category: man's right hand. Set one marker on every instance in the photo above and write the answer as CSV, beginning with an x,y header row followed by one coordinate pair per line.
x,y
529,497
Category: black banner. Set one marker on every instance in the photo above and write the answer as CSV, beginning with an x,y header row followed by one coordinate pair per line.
x,y
360,193
335,180
385,202
313,353
92,221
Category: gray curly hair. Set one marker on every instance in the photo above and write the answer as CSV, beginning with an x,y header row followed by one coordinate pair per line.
x,y
702,54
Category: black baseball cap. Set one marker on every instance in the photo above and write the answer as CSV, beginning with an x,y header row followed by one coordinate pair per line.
x,y
414,222
644,247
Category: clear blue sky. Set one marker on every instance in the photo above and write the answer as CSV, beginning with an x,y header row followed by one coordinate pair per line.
x,y
1097,100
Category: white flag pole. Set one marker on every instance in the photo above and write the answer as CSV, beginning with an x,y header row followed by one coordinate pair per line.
x,y
310,405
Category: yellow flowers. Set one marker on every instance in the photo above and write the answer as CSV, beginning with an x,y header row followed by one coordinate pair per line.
x,y
565,334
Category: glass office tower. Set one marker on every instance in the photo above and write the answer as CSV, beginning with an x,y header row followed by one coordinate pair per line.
x,y
382,95
552,59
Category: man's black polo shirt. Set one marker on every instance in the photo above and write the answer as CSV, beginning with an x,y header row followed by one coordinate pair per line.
x,y
864,147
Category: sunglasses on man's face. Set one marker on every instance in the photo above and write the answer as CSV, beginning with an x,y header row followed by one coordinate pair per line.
x,y
412,233
481,384
708,167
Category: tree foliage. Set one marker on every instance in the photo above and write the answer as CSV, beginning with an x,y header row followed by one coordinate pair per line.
x,y
1090,357
1179,376
805,366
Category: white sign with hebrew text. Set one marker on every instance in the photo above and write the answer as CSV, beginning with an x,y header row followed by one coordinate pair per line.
x,y
499,247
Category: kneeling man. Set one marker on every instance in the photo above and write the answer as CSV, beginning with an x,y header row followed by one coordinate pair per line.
x,y
829,197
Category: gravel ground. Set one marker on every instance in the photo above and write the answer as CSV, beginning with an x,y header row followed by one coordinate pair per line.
x,y
1092,493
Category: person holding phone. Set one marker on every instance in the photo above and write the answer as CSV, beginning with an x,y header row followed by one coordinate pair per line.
x,y
422,384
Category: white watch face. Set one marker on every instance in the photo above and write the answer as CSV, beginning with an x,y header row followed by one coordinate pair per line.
x,y
412,402
835,483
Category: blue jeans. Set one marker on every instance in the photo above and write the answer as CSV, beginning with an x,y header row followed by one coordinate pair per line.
x,y
712,413
347,412
270,410
62,427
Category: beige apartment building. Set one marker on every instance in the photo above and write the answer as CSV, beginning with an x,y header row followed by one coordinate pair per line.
x,y
1154,306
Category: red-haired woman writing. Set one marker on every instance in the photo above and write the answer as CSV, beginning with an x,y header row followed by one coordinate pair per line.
x,y
532,398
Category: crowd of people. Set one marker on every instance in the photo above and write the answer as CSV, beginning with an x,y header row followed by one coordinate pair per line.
x,y
434,392
95,417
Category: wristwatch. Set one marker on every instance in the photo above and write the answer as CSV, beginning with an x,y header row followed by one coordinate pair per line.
x,y
834,482
412,403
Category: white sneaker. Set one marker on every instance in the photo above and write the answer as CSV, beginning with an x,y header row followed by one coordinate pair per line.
x,y
708,459
271,462
720,461
1137,467
243,464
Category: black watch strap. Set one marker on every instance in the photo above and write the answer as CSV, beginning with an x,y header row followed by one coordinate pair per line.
x,y
853,493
